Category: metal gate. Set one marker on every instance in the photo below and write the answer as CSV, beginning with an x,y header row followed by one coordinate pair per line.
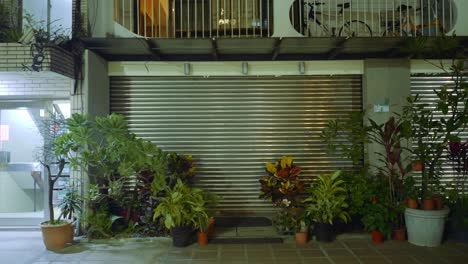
x,y
233,125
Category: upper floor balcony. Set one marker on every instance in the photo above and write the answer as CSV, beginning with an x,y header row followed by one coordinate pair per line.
x,y
287,18
278,28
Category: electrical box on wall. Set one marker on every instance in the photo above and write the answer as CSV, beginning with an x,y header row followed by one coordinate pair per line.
x,y
381,108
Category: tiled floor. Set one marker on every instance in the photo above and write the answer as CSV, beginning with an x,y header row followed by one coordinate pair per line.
x,y
26,247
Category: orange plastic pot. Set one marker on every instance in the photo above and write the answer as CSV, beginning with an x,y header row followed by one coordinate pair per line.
x,y
438,202
377,237
428,204
399,234
412,203
202,238
301,238
417,165
211,226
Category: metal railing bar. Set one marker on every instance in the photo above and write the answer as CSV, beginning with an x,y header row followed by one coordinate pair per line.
x,y
138,17
210,19
152,19
261,18
239,17
443,16
231,18
451,15
181,21
246,19
217,18
188,19
203,19
196,19
268,18
254,15
300,16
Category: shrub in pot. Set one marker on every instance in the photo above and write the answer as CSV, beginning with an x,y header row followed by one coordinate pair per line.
x,y
182,209
377,219
412,192
326,203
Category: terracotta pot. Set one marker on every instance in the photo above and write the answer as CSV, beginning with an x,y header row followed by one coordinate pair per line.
x,y
377,237
55,237
417,165
438,202
412,203
301,238
399,234
428,204
202,238
211,226
70,233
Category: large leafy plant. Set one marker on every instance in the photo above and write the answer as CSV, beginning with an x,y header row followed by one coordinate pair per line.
x,y
117,163
378,217
184,206
283,184
327,199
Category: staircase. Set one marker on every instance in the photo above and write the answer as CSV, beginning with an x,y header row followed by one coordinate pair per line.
x,y
245,230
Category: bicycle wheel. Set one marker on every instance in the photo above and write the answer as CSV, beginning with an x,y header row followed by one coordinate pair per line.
x,y
355,28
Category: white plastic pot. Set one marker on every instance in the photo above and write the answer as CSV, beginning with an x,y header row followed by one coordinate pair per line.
x,y
425,228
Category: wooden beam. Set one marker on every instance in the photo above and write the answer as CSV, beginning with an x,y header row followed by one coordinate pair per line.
x,y
334,52
276,49
214,49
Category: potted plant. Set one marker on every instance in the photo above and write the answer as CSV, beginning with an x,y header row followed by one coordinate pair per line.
x,y
377,219
411,192
433,127
70,208
325,204
302,231
56,233
457,195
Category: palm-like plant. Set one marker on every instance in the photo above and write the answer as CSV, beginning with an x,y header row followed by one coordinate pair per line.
x,y
327,200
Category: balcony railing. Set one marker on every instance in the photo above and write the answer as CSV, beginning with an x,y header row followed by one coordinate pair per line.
x,y
310,18
195,18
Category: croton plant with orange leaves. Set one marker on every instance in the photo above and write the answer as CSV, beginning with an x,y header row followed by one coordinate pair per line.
x,y
283,185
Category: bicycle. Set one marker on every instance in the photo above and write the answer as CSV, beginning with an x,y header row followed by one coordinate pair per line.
x,y
398,28
351,28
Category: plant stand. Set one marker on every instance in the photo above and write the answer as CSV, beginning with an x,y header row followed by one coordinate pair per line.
x,y
425,228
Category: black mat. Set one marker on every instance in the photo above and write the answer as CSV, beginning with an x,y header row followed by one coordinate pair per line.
x,y
266,240
242,221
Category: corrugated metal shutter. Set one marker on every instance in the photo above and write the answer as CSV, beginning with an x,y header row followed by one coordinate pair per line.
x,y
233,125
424,85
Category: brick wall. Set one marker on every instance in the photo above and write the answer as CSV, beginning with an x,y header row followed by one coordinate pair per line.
x,y
35,86
14,56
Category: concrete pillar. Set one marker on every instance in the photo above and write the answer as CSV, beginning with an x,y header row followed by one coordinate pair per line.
x,y
385,82
101,18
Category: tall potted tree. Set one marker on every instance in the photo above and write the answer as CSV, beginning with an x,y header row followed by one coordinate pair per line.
x,y
56,233
433,127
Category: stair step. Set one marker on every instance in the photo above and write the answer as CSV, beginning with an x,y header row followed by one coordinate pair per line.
x,y
20,228
242,221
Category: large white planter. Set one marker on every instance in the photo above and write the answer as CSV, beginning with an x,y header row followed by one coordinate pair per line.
x,y
425,228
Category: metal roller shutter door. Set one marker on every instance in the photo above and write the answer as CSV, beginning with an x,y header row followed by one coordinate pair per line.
x,y
233,125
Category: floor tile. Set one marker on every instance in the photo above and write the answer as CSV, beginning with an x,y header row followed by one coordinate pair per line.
x,y
365,252
311,253
337,252
401,260
344,260
316,260
373,260
205,255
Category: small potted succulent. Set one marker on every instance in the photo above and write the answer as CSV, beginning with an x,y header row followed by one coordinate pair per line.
x,y
326,203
